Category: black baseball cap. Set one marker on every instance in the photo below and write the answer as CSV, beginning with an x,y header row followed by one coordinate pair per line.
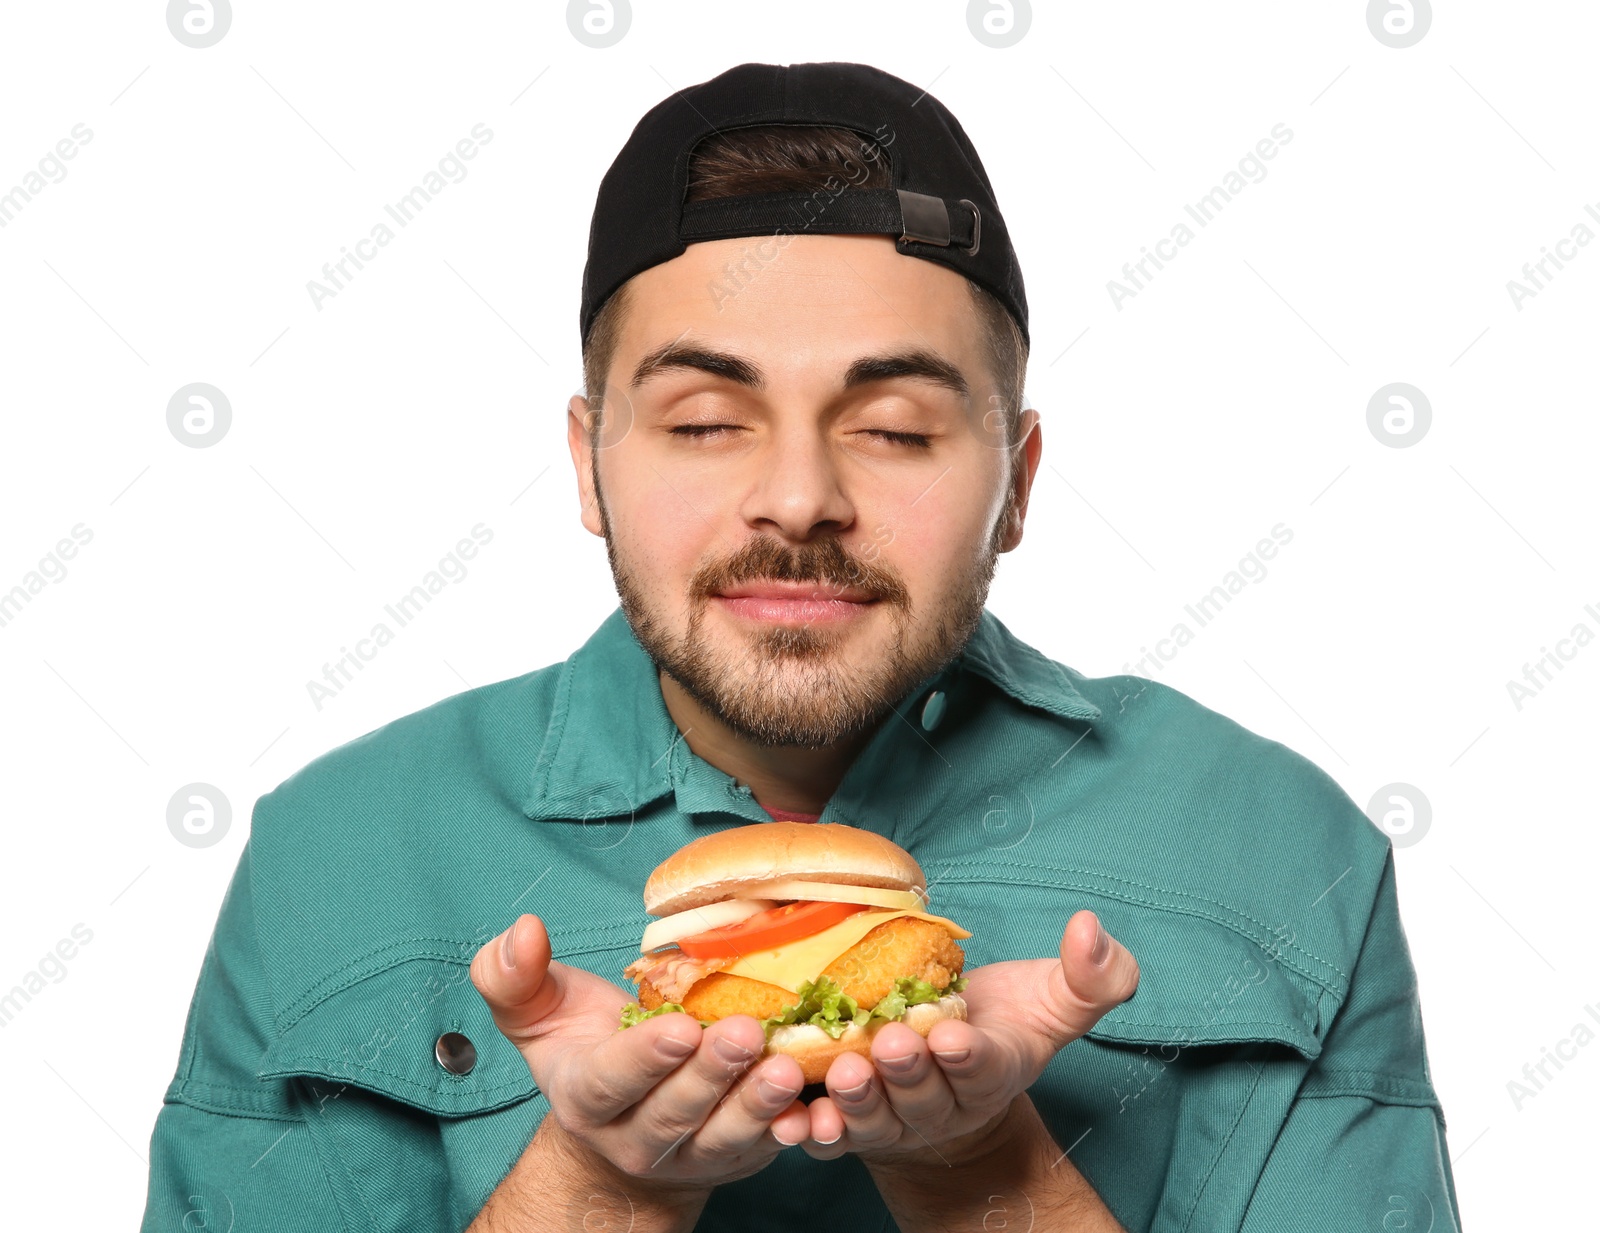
x,y
940,206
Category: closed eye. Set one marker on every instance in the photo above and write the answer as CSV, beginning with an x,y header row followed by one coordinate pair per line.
x,y
914,439
699,430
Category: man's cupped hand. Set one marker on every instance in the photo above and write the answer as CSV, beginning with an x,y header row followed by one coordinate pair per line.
x,y
666,1100
940,1096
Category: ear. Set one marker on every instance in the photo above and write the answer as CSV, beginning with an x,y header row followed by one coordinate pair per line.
x,y
579,417
1024,459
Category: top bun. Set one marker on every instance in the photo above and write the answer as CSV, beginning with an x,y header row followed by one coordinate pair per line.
x,y
718,866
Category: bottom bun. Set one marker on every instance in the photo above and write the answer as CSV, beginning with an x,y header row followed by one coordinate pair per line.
x,y
815,1050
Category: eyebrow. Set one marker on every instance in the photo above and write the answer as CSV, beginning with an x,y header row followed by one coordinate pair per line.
x,y
916,363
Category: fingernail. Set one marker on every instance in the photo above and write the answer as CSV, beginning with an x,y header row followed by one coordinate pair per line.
x,y
1101,951
858,1092
508,948
898,1065
774,1093
672,1047
953,1056
732,1051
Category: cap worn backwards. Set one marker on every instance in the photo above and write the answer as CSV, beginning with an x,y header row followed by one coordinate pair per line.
x,y
940,207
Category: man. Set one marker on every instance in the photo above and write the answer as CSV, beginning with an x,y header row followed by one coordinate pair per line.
x,y
1191,1003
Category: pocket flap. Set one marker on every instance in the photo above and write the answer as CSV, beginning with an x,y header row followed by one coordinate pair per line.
x,y
1207,976
377,1024
1203,984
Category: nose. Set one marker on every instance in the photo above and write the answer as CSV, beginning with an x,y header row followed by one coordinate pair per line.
x,y
798,492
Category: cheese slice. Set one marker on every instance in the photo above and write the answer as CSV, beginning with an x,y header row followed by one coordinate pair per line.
x,y
790,965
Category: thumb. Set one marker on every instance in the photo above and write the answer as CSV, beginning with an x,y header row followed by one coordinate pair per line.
x,y
513,974
1096,974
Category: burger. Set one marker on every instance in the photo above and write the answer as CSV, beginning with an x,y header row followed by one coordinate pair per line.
x,y
818,930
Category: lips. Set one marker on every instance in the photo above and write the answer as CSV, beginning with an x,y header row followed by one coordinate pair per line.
x,y
814,591
790,603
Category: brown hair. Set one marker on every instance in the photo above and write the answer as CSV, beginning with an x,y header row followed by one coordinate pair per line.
x,y
786,157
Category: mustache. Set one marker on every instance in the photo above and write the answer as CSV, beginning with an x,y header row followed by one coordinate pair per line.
x,y
823,562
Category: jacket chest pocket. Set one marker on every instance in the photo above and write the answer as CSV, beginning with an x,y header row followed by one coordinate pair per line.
x,y
1170,1104
417,1103
409,1027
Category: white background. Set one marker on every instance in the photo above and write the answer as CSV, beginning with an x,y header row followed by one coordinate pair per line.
x,y
368,437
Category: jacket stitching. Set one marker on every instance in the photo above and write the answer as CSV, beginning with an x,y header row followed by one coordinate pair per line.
x,y
955,870
191,1027
342,1070
1211,1023
1373,1084
1160,890
183,1095
356,971
1222,1151
555,732
346,1197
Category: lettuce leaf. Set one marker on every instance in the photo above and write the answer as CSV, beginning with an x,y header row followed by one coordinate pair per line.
x,y
825,1005
822,1003
632,1013
911,991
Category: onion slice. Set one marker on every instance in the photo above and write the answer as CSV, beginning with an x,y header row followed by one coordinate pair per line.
x,y
669,929
836,892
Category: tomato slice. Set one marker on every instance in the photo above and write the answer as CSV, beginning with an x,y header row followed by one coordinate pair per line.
x,y
766,930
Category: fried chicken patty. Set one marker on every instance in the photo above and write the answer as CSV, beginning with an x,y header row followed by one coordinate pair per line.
x,y
867,971
719,995
904,946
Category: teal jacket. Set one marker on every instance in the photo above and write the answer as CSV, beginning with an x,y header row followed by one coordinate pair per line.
x,y
1270,1073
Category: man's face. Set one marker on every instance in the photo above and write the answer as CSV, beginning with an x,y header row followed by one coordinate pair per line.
x,y
801,513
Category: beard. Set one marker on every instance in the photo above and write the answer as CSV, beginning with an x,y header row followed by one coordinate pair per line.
x,y
789,685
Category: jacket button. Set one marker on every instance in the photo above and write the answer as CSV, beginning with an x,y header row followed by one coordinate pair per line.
x,y
933,710
455,1053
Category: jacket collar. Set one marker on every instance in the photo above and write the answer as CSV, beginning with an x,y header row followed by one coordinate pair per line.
x,y
611,747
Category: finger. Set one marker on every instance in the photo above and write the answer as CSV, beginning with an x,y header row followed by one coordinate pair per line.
x,y
869,1122
793,1125
958,1074
527,994
1096,974
827,1139
514,975
622,1070
682,1103
917,1093
912,1080
981,1067
759,1111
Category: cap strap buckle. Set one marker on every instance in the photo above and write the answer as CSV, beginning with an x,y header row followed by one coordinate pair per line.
x,y
926,220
